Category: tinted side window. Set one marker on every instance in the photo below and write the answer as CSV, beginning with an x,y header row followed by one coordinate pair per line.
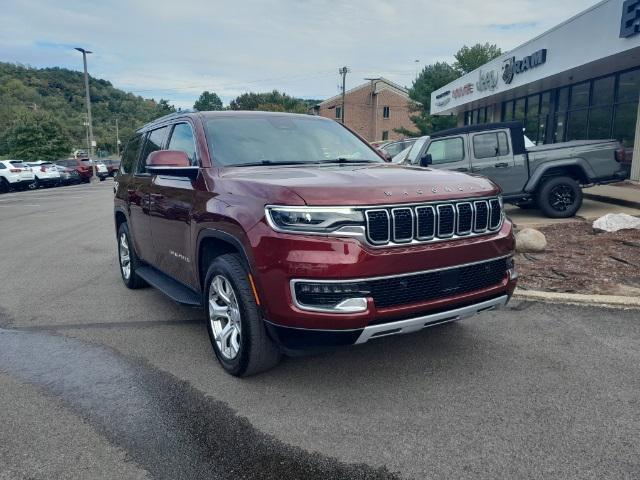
x,y
130,154
2,166
488,145
183,141
155,142
446,150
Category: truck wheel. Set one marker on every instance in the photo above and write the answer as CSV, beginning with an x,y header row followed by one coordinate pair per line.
x,y
560,197
128,260
4,185
236,329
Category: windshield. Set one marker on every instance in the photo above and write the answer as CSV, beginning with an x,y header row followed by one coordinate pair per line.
x,y
274,139
18,164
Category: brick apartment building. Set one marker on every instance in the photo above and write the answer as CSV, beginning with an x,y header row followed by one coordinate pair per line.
x,y
374,109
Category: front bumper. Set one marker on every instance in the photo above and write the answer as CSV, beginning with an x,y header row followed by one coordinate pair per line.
x,y
297,339
281,258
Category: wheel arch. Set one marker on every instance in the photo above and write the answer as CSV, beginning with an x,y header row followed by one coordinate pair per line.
x,y
577,168
211,244
120,217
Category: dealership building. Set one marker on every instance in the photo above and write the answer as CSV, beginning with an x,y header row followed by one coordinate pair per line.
x,y
579,80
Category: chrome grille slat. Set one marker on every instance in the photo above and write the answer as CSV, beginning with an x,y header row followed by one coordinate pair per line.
x,y
402,224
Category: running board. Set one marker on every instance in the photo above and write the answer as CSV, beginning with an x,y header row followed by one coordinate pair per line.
x,y
170,287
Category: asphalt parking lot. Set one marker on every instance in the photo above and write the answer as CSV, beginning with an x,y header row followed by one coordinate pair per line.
x,y
97,381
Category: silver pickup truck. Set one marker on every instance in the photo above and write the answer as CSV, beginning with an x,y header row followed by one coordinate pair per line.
x,y
547,176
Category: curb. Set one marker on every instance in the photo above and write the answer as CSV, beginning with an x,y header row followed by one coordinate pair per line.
x,y
615,301
615,201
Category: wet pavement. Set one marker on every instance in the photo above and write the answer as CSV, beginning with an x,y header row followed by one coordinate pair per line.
x,y
97,381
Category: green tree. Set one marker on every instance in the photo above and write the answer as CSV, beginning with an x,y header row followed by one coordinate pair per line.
x,y
470,58
208,101
271,101
37,135
431,78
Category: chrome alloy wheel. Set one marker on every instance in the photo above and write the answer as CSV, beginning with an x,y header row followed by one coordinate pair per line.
x,y
125,256
224,316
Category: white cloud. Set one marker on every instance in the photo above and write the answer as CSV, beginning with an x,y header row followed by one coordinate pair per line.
x,y
177,49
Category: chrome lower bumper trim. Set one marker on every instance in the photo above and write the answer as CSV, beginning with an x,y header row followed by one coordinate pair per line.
x,y
418,323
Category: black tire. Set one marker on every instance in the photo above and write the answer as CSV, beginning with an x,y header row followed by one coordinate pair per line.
x,y
560,197
35,184
132,281
4,186
102,179
256,352
527,206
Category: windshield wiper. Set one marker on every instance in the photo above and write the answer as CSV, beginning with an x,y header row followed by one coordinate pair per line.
x,y
267,162
347,160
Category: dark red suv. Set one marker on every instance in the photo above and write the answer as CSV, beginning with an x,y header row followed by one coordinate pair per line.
x,y
294,234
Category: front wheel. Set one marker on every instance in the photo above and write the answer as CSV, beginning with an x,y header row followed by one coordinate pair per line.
x,y
236,329
128,260
560,197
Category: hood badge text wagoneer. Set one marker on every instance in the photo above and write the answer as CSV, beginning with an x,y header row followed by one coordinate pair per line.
x,y
460,188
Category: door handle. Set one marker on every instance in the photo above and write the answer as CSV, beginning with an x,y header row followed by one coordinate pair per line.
x,y
501,165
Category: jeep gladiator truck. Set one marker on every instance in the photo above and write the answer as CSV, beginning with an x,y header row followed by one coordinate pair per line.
x,y
293,234
547,176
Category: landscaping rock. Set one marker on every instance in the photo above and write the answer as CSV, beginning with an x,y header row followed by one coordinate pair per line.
x,y
612,222
530,240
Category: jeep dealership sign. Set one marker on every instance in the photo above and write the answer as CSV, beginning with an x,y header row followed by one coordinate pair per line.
x,y
512,67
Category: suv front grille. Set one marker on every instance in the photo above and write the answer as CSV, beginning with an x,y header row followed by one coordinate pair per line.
x,y
423,223
408,289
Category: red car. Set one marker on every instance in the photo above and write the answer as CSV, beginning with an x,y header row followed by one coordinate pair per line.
x,y
292,233
84,167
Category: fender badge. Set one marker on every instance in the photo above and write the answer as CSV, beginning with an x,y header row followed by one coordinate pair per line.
x,y
388,194
434,190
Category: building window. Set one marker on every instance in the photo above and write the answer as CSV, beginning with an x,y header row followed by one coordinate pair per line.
x,y
385,135
385,112
338,112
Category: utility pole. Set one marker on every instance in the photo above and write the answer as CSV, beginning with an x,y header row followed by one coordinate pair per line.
x,y
343,71
117,140
94,178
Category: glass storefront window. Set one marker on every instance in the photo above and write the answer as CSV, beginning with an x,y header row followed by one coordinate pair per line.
x,y
507,112
533,105
603,91
629,86
580,95
531,129
558,135
577,125
519,110
624,123
563,99
545,101
600,123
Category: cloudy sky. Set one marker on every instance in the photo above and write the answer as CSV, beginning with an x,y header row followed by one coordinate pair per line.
x,y
177,49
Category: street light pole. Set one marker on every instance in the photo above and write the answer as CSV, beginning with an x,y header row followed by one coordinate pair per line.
x,y
117,140
94,178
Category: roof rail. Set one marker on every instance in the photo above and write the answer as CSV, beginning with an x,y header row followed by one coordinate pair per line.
x,y
171,115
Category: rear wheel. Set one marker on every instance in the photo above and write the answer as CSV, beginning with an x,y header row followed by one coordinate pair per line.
x,y
236,329
128,260
560,197
4,185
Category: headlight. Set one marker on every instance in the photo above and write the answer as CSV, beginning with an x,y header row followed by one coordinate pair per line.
x,y
312,219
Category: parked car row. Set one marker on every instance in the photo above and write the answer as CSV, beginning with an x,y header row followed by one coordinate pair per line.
x,y
22,175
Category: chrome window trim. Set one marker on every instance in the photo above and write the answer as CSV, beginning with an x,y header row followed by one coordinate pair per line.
x,y
412,231
473,217
433,230
453,229
475,210
367,230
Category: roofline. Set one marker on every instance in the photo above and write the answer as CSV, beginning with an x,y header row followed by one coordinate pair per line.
x,y
402,91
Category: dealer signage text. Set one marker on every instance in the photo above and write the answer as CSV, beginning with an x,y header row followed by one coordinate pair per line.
x,y
512,67
630,21
466,89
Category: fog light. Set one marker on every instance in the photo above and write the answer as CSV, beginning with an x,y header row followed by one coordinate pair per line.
x,y
511,269
339,297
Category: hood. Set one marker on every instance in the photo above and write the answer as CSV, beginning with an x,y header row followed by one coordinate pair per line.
x,y
362,184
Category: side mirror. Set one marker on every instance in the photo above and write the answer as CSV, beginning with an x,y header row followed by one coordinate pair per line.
x,y
172,163
168,158
426,160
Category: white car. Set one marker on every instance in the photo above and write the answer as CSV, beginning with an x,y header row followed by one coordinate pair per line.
x,y
15,174
46,174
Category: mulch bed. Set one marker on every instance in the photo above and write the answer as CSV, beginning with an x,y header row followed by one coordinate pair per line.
x,y
577,260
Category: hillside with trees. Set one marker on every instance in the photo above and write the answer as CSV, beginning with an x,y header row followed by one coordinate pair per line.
x,y
42,112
